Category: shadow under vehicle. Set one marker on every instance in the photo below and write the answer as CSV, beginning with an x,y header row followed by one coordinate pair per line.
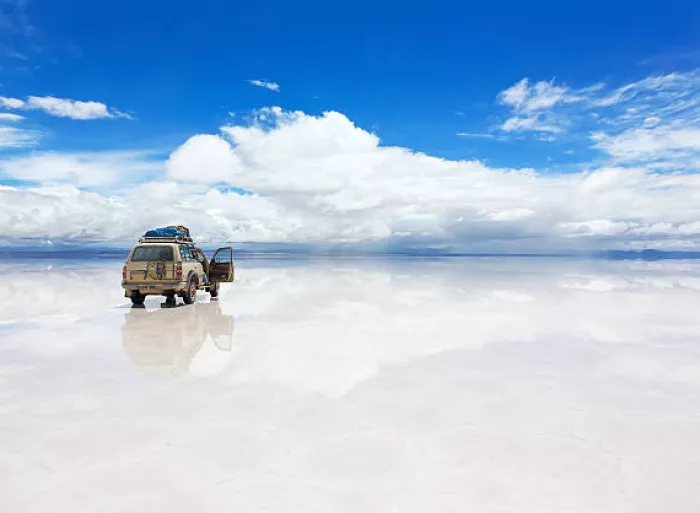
x,y
173,341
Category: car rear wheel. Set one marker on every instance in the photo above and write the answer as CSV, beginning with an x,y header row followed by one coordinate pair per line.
x,y
137,298
191,293
214,289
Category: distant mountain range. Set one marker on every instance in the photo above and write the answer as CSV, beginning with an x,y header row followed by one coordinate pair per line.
x,y
92,252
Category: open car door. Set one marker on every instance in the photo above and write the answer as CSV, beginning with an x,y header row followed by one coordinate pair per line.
x,y
221,265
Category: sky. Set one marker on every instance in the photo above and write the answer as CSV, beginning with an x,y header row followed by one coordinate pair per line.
x,y
506,127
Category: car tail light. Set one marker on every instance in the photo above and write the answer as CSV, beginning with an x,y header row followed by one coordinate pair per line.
x,y
179,271
124,273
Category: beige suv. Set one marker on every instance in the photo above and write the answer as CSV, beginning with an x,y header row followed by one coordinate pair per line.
x,y
172,266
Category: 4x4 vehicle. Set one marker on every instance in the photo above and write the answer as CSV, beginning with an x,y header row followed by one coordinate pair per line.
x,y
174,266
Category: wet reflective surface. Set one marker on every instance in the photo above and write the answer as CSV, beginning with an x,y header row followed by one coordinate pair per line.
x,y
490,385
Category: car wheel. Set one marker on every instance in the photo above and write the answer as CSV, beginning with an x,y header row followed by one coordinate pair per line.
x,y
214,289
137,298
191,293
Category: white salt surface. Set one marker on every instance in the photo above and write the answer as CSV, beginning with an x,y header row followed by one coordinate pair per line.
x,y
484,385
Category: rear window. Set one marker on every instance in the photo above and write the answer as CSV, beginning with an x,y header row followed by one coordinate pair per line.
x,y
145,253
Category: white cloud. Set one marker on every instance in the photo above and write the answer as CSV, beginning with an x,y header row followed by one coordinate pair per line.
x,y
533,104
541,95
11,137
650,144
7,116
533,122
203,158
63,107
516,95
651,121
11,103
321,179
645,87
476,135
89,169
272,86
74,109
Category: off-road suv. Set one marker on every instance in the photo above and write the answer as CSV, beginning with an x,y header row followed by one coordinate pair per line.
x,y
174,266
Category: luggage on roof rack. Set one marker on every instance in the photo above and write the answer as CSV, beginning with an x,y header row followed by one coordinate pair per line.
x,y
180,233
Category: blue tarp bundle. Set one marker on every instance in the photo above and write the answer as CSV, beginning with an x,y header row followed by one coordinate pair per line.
x,y
168,231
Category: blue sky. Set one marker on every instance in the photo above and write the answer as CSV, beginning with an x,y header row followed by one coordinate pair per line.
x,y
406,72
553,88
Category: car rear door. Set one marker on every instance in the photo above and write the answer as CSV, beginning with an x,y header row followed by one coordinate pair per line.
x,y
151,262
221,265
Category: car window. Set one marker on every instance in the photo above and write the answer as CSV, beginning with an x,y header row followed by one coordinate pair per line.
x,y
223,257
185,254
145,253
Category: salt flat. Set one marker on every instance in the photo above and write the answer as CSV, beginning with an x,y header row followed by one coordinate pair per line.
x,y
354,385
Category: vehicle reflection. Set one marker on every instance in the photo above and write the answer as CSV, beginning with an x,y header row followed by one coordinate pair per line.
x,y
194,339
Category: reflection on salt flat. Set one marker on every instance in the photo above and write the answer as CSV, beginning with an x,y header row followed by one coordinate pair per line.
x,y
197,340
356,386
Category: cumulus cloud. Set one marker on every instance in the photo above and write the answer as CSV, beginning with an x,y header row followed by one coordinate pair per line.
x,y
203,158
272,86
63,107
322,179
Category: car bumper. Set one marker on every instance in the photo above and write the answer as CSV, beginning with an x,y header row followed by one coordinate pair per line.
x,y
148,288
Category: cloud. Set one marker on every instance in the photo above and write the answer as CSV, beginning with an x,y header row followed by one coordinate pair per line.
x,y
649,85
63,107
13,18
11,103
532,106
533,122
7,116
527,98
667,143
203,158
272,86
89,169
652,121
13,54
11,137
324,180
74,109
476,135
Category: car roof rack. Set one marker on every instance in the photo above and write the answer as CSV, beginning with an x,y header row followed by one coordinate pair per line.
x,y
178,240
